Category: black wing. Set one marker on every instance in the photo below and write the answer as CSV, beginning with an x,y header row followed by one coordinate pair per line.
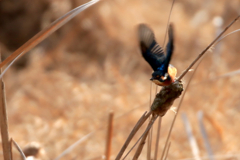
x,y
151,51
170,48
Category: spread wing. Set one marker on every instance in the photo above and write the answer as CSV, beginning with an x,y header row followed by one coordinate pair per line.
x,y
151,50
170,47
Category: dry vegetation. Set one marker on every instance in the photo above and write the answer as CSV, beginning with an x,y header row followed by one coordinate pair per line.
x,y
65,87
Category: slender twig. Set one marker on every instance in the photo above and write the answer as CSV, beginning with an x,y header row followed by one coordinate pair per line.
x,y
19,149
151,131
169,16
44,34
11,149
7,154
131,135
109,136
149,142
165,98
128,112
168,148
150,134
70,148
158,138
146,131
227,35
205,136
144,136
191,138
183,74
206,49
149,145
179,106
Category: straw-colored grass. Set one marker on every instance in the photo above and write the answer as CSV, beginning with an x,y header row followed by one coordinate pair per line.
x,y
93,65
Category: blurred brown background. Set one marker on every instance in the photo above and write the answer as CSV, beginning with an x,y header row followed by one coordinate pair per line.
x,y
65,87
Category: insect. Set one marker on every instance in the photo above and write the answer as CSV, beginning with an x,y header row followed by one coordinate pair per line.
x,y
164,73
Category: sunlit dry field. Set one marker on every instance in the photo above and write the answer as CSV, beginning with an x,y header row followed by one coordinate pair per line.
x,y
64,88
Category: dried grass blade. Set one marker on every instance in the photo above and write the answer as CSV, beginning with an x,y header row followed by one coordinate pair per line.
x,y
205,136
168,148
143,139
158,138
206,49
44,34
179,106
7,151
70,148
109,136
149,142
19,149
227,35
169,16
149,145
191,138
133,132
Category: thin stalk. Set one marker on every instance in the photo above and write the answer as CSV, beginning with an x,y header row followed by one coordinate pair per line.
x,y
133,132
168,148
206,49
19,149
158,138
109,136
6,145
44,34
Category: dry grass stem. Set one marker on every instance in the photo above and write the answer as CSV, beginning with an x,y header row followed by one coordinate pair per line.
x,y
7,154
183,74
70,148
163,101
109,136
169,15
168,148
110,71
205,50
130,111
191,138
140,146
143,138
205,136
133,132
149,144
44,34
158,138
161,104
178,108
19,149
227,35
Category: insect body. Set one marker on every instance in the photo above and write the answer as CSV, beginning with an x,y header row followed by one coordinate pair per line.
x,y
164,73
